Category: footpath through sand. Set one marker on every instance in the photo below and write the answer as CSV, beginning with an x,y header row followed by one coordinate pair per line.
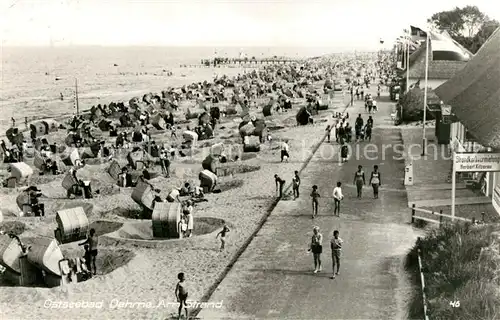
x,y
274,279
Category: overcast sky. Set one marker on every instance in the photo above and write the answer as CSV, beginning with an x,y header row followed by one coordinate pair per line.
x,y
323,23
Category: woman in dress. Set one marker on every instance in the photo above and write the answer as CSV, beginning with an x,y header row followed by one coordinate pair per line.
x,y
317,248
375,181
359,180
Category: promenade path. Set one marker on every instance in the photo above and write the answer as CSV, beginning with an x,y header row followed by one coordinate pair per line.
x,y
273,278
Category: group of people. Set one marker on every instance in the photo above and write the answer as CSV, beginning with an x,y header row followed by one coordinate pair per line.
x,y
80,187
186,223
15,153
316,247
280,184
363,131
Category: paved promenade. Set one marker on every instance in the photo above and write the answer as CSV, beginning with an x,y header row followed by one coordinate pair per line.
x,y
274,278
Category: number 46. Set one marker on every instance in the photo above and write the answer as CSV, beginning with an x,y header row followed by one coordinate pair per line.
x,y
455,304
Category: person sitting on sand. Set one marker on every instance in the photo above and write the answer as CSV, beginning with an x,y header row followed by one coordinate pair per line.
x,y
185,190
38,208
125,178
51,166
173,195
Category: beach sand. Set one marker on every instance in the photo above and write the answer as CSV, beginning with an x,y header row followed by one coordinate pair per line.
x,y
44,102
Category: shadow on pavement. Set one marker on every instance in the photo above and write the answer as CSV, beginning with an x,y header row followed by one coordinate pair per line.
x,y
289,272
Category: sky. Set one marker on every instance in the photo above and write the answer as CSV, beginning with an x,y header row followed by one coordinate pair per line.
x,y
356,24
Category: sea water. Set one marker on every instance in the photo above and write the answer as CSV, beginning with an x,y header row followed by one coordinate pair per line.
x,y
29,87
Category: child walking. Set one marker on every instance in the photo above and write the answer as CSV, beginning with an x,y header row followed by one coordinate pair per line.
x,y
336,246
222,235
181,294
316,247
344,152
337,197
296,184
328,132
315,196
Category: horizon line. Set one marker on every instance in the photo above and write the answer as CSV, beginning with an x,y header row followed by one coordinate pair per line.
x,y
181,46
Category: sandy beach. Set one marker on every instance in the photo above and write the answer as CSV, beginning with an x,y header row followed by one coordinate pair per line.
x,y
134,269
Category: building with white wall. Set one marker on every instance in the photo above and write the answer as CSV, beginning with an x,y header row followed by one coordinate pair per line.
x,y
474,94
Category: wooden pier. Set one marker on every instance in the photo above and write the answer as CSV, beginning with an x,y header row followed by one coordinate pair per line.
x,y
242,62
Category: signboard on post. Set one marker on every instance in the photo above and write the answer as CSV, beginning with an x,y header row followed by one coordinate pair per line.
x,y
473,162
476,162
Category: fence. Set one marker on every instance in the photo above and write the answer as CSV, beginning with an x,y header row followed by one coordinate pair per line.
x,y
422,279
441,216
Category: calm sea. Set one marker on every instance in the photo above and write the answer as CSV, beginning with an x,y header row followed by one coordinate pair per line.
x,y
28,75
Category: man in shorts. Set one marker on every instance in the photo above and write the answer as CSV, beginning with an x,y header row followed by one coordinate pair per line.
x,y
92,241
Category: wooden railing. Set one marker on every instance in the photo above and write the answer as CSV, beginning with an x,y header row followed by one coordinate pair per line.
x,y
439,214
422,279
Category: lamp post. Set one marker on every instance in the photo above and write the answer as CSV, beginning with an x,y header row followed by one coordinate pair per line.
x,y
408,60
424,139
76,103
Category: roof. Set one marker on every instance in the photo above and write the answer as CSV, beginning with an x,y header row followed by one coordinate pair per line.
x,y
445,59
474,93
465,50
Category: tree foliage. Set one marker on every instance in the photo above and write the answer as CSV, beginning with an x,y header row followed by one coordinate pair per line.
x,y
468,26
412,105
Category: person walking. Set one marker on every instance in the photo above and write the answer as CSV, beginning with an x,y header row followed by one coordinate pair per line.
x,y
284,151
344,152
296,185
375,181
358,126
359,181
337,131
336,246
328,132
370,121
164,163
341,132
315,200
368,132
317,248
337,198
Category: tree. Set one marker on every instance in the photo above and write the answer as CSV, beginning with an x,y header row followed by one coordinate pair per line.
x,y
468,26
483,34
451,21
412,105
473,20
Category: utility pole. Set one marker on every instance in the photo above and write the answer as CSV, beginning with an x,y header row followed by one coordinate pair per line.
x,y
77,105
